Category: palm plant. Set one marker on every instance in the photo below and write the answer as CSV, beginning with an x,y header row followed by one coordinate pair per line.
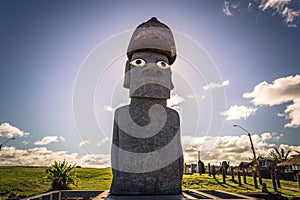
x,y
279,155
62,175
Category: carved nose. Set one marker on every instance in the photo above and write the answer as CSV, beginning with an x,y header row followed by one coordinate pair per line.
x,y
152,69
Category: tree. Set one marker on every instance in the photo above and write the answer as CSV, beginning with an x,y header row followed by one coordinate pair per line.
x,y
279,155
62,175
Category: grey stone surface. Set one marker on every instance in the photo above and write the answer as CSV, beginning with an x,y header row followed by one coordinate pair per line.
x,y
149,81
156,197
129,176
146,151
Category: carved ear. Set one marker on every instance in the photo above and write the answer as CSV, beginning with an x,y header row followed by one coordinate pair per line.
x,y
126,83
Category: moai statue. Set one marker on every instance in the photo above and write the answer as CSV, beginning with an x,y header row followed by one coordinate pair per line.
x,y
146,148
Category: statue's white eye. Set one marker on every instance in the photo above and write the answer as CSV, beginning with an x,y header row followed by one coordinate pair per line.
x,y
138,62
163,64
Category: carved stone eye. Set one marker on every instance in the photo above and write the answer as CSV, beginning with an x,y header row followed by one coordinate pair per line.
x,y
163,64
138,62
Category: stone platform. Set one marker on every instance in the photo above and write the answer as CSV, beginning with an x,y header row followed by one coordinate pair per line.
x,y
101,195
186,195
156,197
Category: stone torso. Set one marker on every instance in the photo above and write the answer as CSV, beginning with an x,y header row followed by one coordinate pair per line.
x,y
146,152
137,177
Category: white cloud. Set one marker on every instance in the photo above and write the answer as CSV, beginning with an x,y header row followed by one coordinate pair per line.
x,y
175,101
284,8
112,109
230,148
62,138
266,136
25,142
95,160
213,150
47,140
190,96
278,5
250,6
238,112
9,131
41,156
226,8
108,108
290,16
216,85
83,142
102,141
293,113
281,7
235,5
282,90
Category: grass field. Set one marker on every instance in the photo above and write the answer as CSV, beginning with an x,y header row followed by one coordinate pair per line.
x,y
28,181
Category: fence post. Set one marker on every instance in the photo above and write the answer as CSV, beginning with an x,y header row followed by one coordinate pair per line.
x,y
244,175
199,167
277,176
224,175
273,181
213,171
192,168
232,173
254,179
259,176
298,179
209,172
224,172
239,178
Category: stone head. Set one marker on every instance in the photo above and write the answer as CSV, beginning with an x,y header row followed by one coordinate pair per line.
x,y
151,52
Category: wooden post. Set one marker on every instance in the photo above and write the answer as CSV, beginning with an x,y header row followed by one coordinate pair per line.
x,y
199,167
298,179
224,175
213,171
199,164
277,176
273,181
244,175
258,172
209,172
232,173
254,179
259,176
224,172
264,188
239,178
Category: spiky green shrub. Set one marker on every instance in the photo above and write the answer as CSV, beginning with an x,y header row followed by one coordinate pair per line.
x,y
62,175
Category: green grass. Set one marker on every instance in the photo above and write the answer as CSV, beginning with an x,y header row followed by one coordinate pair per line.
x,y
94,179
206,182
30,181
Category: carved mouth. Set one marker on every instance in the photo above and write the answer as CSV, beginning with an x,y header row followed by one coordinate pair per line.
x,y
152,90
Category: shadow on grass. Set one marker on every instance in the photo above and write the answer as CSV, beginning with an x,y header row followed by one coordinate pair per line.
x,y
246,186
220,183
234,181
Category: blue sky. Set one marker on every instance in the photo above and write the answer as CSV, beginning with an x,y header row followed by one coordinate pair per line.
x,y
246,72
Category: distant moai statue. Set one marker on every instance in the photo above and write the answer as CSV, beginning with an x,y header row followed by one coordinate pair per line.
x,y
146,151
